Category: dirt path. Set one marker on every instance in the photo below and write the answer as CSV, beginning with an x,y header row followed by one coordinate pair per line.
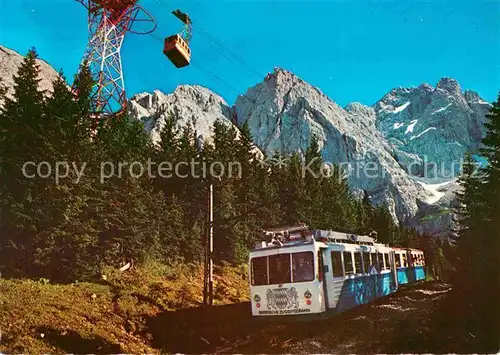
x,y
408,321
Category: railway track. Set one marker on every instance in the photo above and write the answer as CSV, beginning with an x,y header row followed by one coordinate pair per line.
x,y
401,322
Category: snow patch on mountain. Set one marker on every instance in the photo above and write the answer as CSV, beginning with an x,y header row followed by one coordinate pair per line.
x,y
401,108
420,134
436,191
411,126
441,109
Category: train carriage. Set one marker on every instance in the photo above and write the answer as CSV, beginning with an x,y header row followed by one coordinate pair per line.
x,y
410,265
417,263
298,271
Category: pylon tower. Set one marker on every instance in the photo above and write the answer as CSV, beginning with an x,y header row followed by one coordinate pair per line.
x,y
108,23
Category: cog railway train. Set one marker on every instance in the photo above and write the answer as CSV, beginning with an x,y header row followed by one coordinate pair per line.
x,y
298,271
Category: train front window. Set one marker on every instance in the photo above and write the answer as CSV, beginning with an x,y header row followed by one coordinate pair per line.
x,y
259,271
303,266
279,269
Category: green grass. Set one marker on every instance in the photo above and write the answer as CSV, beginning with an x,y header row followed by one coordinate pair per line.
x,y
107,317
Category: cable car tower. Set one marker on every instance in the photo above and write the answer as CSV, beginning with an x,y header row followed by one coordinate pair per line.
x,y
109,21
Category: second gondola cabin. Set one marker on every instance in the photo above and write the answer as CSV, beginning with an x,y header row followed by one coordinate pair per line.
x,y
177,50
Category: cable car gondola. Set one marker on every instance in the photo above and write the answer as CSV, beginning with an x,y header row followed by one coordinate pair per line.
x,y
177,46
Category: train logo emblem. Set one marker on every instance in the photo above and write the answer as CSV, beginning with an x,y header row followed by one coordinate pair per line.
x,y
281,298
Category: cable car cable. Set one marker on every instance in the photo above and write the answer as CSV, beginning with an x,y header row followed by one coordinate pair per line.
x,y
230,53
214,76
207,71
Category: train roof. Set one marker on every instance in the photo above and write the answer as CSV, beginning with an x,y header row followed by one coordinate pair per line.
x,y
339,237
301,235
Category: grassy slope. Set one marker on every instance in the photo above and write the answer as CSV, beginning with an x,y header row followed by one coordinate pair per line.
x,y
106,317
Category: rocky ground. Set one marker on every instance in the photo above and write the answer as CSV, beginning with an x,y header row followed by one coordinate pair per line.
x,y
417,319
121,315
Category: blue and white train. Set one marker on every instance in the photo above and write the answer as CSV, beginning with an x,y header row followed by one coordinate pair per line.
x,y
298,271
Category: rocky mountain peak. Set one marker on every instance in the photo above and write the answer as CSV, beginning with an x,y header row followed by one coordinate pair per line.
x,y
450,85
394,139
358,109
285,112
426,88
432,126
192,105
10,61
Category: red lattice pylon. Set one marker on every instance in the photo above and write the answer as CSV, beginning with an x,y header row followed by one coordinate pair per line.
x,y
109,21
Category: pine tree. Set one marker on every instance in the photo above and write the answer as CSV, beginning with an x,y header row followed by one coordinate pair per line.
x,y
489,240
21,141
479,240
383,224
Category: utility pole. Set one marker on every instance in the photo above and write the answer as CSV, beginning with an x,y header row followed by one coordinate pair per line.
x,y
211,244
208,284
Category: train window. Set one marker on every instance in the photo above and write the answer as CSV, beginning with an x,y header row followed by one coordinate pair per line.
x,y
405,261
303,266
381,261
374,259
337,264
348,265
398,260
358,263
279,269
259,271
386,260
321,266
366,262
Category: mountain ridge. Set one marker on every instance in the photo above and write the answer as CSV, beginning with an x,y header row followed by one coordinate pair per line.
x,y
284,112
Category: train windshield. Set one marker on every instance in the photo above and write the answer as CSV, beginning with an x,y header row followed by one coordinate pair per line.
x,y
282,268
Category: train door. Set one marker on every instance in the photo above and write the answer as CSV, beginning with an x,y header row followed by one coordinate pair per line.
x,y
323,276
394,271
333,276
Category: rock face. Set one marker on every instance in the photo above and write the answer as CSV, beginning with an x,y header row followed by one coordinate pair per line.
x,y
284,112
10,61
387,149
193,105
431,128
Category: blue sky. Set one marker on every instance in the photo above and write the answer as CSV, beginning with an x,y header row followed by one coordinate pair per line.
x,y
351,50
